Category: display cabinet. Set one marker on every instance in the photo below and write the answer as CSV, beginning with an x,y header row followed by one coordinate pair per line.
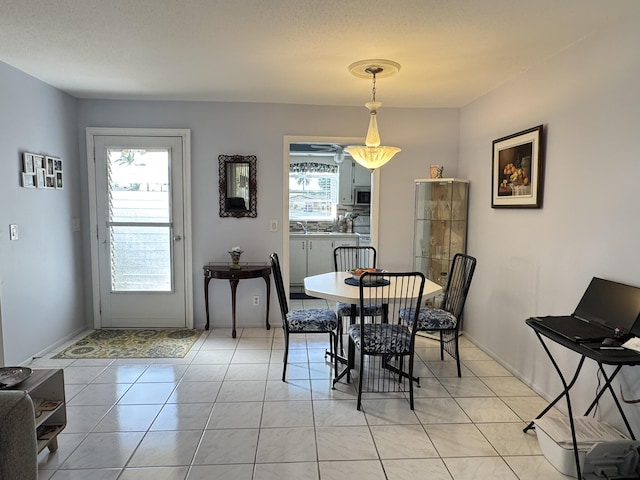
x,y
440,225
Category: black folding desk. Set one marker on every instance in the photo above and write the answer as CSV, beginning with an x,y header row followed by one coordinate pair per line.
x,y
617,358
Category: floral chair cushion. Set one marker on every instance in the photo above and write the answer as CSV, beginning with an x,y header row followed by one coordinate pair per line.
x,y
312,320
430,318
381,338
344,310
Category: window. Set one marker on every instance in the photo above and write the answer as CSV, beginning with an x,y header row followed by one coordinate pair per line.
x,y
313,191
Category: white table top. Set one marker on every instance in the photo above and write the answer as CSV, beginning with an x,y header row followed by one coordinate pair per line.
x,y
331,286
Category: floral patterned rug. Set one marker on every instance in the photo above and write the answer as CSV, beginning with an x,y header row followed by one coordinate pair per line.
x,y
148,343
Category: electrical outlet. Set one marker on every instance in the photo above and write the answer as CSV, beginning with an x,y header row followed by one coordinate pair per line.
x,y
75,224
273,225
256,300
13,232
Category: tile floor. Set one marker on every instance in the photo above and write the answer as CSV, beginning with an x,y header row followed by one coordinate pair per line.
x,y
223,412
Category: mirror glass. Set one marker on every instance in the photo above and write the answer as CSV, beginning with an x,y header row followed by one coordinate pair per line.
x,y
237,185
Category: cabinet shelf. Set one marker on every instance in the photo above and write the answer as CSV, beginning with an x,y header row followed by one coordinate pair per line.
x,y
47,386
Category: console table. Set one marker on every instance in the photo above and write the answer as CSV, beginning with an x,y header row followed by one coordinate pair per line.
x,y
224,271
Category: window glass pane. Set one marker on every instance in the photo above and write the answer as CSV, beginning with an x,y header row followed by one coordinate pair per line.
x,y
313,196
140,259
138,182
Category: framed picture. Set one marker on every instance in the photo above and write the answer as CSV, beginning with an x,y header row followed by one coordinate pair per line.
x,y
40,175
59,180
27,163
517,173
49,165
38,162
28,180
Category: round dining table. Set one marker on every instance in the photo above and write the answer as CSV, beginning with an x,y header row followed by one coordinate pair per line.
x,y
332,286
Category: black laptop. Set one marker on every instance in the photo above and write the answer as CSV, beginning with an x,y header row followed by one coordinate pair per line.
x,y
604,307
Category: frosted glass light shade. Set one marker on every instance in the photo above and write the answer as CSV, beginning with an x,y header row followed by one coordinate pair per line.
x,y
372,155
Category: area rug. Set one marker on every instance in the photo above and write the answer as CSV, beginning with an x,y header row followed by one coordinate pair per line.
x,y
148,343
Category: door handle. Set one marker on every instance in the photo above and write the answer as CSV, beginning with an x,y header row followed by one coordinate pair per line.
x,y
177,238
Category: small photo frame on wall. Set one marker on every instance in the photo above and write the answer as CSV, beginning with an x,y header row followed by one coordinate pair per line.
x,y
40,177
28,180
49,165
27,163
517,171
38,161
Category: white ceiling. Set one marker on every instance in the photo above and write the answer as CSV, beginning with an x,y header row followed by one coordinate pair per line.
x,y
292,51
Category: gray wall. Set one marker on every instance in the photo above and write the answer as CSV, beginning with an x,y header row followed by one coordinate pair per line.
x,y
540,261
41,284
425,135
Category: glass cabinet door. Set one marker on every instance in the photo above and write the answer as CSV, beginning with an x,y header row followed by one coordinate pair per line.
x,y
440,228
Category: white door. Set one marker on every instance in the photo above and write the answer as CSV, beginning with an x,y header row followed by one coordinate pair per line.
x,y
140,227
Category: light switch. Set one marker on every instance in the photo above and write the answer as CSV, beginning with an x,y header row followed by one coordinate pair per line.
x,y
75,224
273,225
13,232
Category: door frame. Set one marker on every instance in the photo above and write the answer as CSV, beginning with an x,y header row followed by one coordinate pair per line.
x,y
185,135
375,190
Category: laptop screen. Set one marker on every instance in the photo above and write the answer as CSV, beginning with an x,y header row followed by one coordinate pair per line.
x,y
613,304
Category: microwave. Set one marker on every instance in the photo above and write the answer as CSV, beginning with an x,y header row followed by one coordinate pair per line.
x,y
362,195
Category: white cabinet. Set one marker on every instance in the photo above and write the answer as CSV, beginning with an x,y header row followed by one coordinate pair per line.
x,y
312,254
297,259
319,256
361,176
345,186
351,174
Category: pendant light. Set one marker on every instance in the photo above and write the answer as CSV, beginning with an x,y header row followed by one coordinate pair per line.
x,y
372,155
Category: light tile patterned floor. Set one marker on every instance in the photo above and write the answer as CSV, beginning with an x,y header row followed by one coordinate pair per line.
x,y
223,412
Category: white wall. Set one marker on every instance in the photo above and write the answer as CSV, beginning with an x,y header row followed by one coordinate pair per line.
x,y
426,136
540,261
41,285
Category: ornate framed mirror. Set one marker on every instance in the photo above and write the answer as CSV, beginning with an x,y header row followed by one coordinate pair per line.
x,y
237,175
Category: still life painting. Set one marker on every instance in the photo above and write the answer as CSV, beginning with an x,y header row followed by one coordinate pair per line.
x,y
517,170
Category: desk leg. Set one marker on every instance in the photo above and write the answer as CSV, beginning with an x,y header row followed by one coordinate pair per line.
x,y
557,399
207,279
266,279
565,394
234,287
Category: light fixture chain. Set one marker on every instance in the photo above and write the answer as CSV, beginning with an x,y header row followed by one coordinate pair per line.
x,y
373,89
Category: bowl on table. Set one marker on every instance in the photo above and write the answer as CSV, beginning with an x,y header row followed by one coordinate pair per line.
x,y
356,273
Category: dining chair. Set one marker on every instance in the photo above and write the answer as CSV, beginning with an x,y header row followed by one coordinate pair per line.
x,y
448,319
310,320
386,342
346,258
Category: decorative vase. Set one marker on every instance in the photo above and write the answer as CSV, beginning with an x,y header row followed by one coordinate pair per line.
x,y
235,260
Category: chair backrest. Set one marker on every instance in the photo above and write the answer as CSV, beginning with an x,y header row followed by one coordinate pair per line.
x,y
277,278
346,258
393,292
460,276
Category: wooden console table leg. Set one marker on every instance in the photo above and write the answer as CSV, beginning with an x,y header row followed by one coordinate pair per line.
x,y
234,287
266,279
207,279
